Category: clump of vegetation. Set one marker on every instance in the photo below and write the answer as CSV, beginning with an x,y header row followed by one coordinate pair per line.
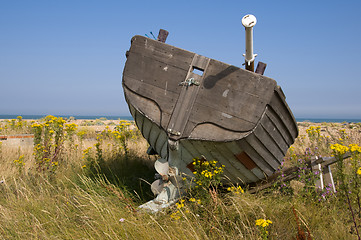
x,y
85,182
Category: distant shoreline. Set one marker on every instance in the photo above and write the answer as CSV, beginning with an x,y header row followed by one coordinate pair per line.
x,y
130,118
328,120
76,117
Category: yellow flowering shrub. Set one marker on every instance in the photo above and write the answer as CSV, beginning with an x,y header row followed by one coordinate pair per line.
x,y
263,222
176,215
48,142
262,225
207,173
19,163
236,190
313,131
354,148
339,149
180,204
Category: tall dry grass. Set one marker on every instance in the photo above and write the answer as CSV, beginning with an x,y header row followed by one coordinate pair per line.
x,y
71,203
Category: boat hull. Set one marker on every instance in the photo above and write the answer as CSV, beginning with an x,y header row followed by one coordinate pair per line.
x,y
222,112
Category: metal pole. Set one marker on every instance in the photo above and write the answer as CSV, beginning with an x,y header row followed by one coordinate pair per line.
x,y
249,21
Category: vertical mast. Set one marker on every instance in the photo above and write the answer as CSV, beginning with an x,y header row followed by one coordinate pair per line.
x,y
249,21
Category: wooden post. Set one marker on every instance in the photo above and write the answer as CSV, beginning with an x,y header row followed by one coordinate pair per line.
x,y
250,66
317,168
261,67
162,36
319,164
328,179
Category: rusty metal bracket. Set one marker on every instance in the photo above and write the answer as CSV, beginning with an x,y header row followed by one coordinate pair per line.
x,y
189,82
173,132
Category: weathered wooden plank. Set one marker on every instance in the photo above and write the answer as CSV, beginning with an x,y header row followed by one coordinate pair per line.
x,y
191,148
235,148
227,155
204,152
161,52
166,101
155,73
259,173
237,104
259,159
235,169
161,141
152,109
268,143
263,151
164,152
186,155
160,145
183,108
282,110
238,93
165,120
154,135
280,125
229,151
211,132
203,113
139,119
246,160
146,129
223,76
275,134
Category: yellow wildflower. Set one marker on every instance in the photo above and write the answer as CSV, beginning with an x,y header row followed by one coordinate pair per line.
x,y
180,204
355,148
175,215
359,171
235,189
339,149
263,222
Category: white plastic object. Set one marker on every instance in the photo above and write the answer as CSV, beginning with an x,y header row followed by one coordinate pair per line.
x,y
161,166
249,21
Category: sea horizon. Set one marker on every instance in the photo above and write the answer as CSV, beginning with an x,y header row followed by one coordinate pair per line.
x,y
86,117
130,118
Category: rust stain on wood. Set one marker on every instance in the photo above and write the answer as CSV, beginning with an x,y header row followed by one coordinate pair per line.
x,y
246,160
190,166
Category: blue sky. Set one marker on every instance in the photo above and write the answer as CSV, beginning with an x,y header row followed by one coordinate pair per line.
x,y
67,57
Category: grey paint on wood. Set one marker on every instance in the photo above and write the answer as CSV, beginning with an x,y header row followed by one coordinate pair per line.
x,y
219,111
275,134
280,125
230,97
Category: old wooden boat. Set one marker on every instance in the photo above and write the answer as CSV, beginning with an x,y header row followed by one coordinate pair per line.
x,y
187,106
